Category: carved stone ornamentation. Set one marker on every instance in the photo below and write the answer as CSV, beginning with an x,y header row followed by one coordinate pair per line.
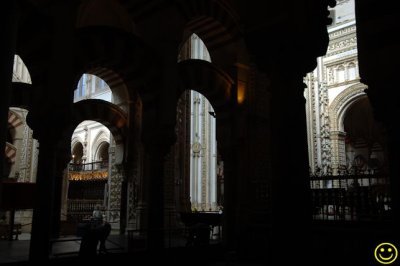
x,y
115,184
324,129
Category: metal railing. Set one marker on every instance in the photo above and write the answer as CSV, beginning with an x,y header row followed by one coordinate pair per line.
x,y
80,209
356,197
93,166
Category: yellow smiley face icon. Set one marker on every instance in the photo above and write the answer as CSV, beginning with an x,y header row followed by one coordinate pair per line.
x,y
385,253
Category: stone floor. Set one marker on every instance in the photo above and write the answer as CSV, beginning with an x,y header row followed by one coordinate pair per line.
x,y
16,252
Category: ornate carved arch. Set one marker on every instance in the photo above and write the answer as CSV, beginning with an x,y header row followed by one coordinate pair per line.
x,y
101,138
342,102
75,141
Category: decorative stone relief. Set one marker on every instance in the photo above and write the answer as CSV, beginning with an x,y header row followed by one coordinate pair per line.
x,y
29,154
132,200
313,119
24,155
342,32
341,46
85,142
325,129
114,193
330,77
339,2
133,189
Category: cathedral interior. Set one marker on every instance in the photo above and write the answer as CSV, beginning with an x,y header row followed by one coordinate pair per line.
x,y
273,122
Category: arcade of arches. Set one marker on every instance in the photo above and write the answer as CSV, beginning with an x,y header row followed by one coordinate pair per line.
x,y
159,108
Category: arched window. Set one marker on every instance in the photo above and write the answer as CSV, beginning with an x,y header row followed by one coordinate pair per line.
x,y
340,74
351,72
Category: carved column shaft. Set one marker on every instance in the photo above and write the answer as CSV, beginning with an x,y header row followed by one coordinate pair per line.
x,y
338,147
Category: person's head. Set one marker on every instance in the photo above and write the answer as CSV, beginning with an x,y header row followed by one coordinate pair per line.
x,y
97,207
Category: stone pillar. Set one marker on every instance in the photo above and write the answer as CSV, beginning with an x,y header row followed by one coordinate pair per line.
x,y
46,214
230,220
169,190
393,145
157,143
386,110
133,166
290,191
54,151
115,186
228,150
123,205
158,137
9,20
154,176
379,62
